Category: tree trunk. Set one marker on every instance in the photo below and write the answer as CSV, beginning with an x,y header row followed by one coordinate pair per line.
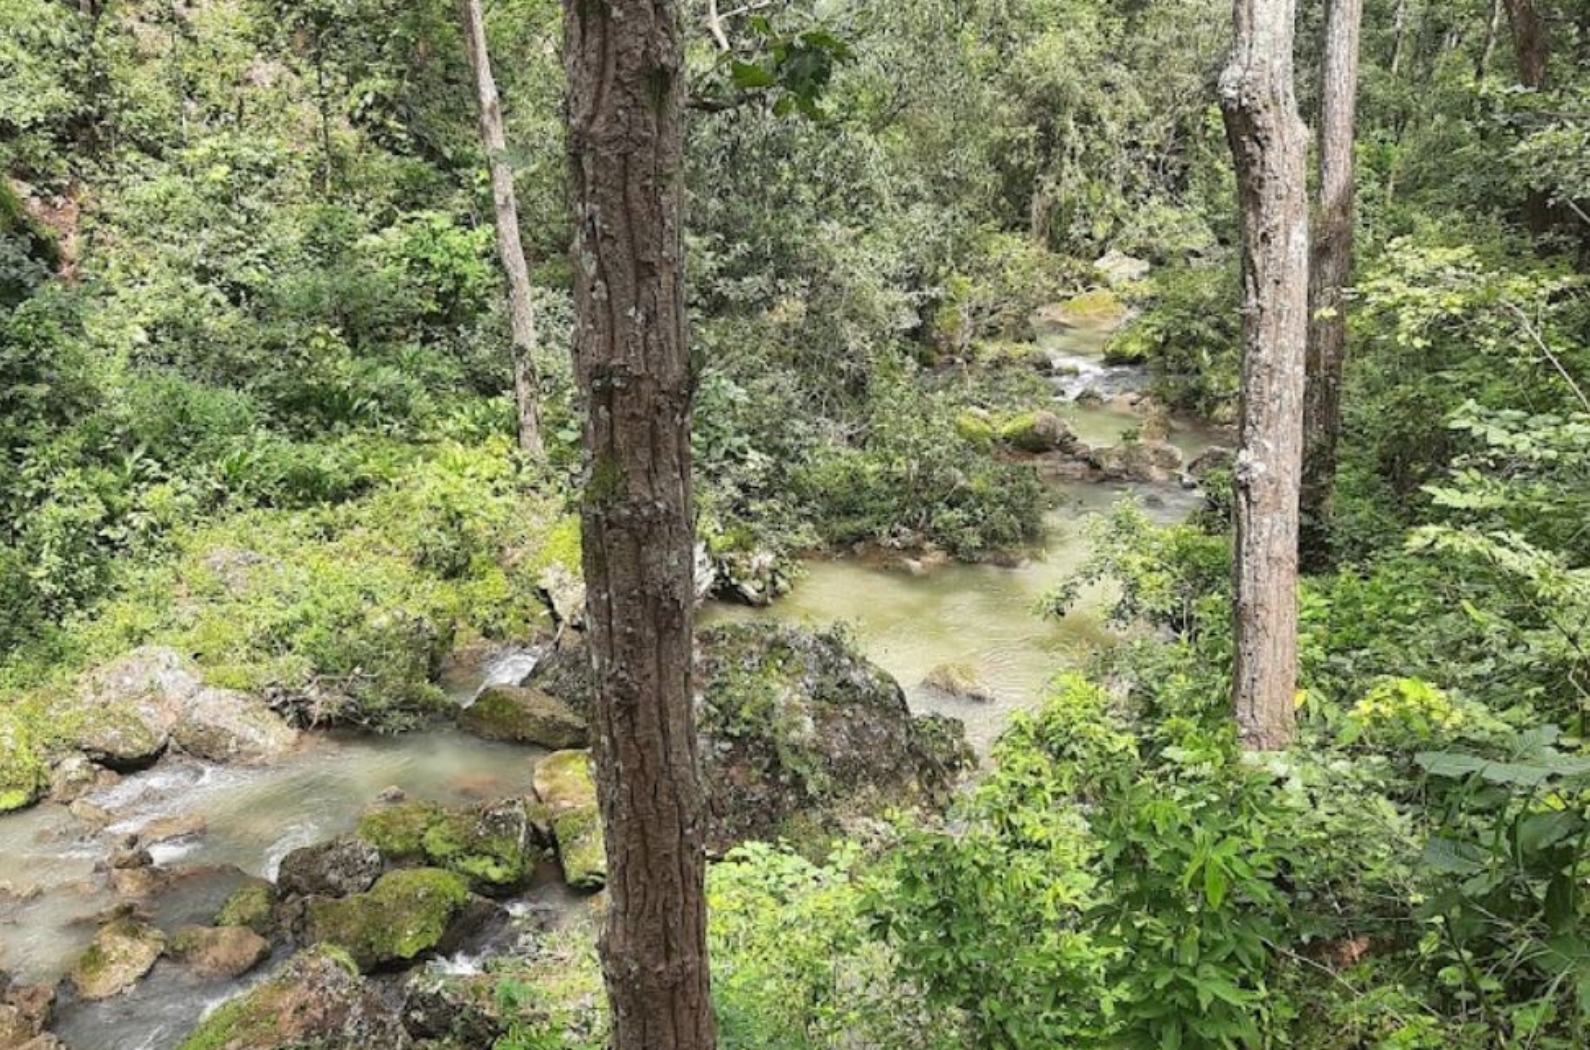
x,y
1493,30
625,65
505,205
1530,42
1400,38
1269,146
1329,275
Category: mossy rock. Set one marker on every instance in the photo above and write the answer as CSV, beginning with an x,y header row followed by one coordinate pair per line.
x,y
1037,432
405,915
524,716
976,428
121,953
1100,308
318,1000
250,906
495,845
219,951
23,773
564,784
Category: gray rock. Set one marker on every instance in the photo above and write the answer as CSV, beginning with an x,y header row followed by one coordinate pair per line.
x,y
220,725
129,708
338,868
524,715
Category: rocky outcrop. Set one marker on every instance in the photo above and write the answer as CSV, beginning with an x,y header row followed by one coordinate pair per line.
x,y
1153,462
338,868
219,951
563,592
799,732
458,1010
317,1000
127,713
405,915
524,715
565,787
121,953
1116,268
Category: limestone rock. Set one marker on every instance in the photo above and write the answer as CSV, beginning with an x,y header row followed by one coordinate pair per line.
x,y
524,715
121,953
1154,462
219,951
564,784
1117,268
495,845
404,916
317,1000
959,681
128,708
338,868
220,725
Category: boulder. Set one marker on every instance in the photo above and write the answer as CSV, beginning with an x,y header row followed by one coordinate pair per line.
x,y
317,1000
23,774
461,1009
959,681
495,845
524,715
250,906
219,951
405,916
127,709
121,953
1117,268
1038,433
801,733
1154,462
1156,425
1097,309
565,673
752,576
220,725
565,786
706,573
25,1011
564,593
75,776
338,868
1210,460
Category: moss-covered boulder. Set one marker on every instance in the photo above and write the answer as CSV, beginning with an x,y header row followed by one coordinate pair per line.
x,y
219,951
524,715
1100,308
799,731
1152,462
495,845
121,953
1038,433
251,906
405,916
976,427
565,786
462,1010
338,868
23,773
318,1000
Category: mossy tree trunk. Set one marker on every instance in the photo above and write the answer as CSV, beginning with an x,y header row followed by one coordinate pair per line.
x,y
625,66
1329,274
1269,145
505,204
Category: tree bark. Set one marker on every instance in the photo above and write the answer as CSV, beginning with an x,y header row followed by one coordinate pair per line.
x,y
510,248
625,66
1493,31
1329,275
1531,44
1269,145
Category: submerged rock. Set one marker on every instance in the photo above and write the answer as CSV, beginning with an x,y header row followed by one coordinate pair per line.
x,y
1154,462
317,1000
959,681
25,1011
406,915
338,868
524,715
219,951
565,786
121,953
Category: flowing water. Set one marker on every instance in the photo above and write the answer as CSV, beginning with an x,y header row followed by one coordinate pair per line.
x,y
909,618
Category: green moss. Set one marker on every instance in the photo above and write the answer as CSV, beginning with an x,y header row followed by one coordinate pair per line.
x,y
254,1020
406,914
1098,308
559,545
976,428
582,850
487,845
399,831
250,906
1021,431
23,773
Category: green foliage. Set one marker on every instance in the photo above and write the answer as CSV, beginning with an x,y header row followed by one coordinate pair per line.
x,y
1190,335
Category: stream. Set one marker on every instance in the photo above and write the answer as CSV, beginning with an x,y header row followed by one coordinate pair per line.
x,y
908,618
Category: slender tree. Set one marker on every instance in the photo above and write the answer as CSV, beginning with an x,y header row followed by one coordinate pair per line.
x,y
1269,145
1329,273
505,207
625,66
1531,43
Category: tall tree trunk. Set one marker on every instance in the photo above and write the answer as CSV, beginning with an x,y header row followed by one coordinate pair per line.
x,y
1400,38
1329,275
625,65
1270,147
521,311
1532,47
1493,31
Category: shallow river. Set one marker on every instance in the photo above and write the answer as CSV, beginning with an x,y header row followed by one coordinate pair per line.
x,y
981,616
